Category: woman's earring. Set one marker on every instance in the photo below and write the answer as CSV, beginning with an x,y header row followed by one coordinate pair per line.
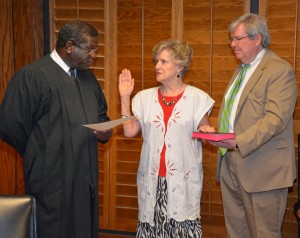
x,y
178,75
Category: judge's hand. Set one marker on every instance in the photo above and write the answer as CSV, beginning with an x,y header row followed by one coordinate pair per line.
x,y
126,83
103,135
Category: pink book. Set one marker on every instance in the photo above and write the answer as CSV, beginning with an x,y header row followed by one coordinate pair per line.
x,y
213,136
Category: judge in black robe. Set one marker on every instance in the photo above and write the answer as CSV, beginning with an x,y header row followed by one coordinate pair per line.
x,y
41,116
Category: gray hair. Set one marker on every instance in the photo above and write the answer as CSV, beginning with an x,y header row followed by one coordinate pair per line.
x,y
180,51
254,25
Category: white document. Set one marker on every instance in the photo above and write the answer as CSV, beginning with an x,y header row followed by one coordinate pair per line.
x,y
109,124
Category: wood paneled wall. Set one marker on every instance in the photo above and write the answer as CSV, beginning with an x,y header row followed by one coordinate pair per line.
x,y
22,41
128,30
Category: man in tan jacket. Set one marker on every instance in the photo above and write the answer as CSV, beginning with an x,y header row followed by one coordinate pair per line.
x,y
258,165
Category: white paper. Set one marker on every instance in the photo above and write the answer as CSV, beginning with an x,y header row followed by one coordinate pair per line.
x,y
109,124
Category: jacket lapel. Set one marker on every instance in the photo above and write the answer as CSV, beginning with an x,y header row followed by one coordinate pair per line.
x,y
253,80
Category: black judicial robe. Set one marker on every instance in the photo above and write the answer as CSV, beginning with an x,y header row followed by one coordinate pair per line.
x,y
41,116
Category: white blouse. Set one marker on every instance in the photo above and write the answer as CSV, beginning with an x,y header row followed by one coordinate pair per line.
x,y
183,153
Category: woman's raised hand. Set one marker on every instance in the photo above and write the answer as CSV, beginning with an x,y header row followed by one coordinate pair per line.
x,y
126,83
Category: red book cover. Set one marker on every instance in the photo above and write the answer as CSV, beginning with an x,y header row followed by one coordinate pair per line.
x,y
213,136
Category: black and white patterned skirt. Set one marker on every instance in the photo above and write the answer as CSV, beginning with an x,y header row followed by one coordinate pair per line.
x,y
164,227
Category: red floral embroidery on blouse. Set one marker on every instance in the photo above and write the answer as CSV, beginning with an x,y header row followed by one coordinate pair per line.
x,y
175,117
154,172
159,122
172,168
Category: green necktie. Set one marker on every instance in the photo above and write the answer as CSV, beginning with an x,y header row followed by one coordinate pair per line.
x,y
225,116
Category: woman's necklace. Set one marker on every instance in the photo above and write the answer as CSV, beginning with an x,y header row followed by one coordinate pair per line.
x,y
174,100
168,103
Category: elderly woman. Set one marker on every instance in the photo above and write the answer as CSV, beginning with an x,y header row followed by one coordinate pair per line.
x,y
170,172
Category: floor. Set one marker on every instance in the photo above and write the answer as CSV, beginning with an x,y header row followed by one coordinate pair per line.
x,y
208,231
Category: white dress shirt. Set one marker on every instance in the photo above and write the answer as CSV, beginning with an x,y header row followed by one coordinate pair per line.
x,y
55,56
248,74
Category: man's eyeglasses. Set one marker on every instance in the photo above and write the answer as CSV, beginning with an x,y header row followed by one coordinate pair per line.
x,y
90,51
236,39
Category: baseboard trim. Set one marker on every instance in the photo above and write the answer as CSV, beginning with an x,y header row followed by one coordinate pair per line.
x,y
124,233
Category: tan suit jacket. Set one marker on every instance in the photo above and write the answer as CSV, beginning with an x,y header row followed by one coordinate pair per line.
x,y
263,126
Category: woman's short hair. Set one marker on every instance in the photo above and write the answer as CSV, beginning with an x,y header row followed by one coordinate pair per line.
x,y
180,51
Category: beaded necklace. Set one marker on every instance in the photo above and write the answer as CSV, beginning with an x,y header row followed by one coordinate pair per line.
x,y
174,100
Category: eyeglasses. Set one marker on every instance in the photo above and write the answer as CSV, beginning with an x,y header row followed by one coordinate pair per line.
x,y
90,51
236,39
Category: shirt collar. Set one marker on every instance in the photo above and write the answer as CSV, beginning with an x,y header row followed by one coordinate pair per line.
x,y
55,56
258,58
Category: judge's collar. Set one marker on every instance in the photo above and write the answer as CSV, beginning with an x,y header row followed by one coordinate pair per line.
x,y
55,56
